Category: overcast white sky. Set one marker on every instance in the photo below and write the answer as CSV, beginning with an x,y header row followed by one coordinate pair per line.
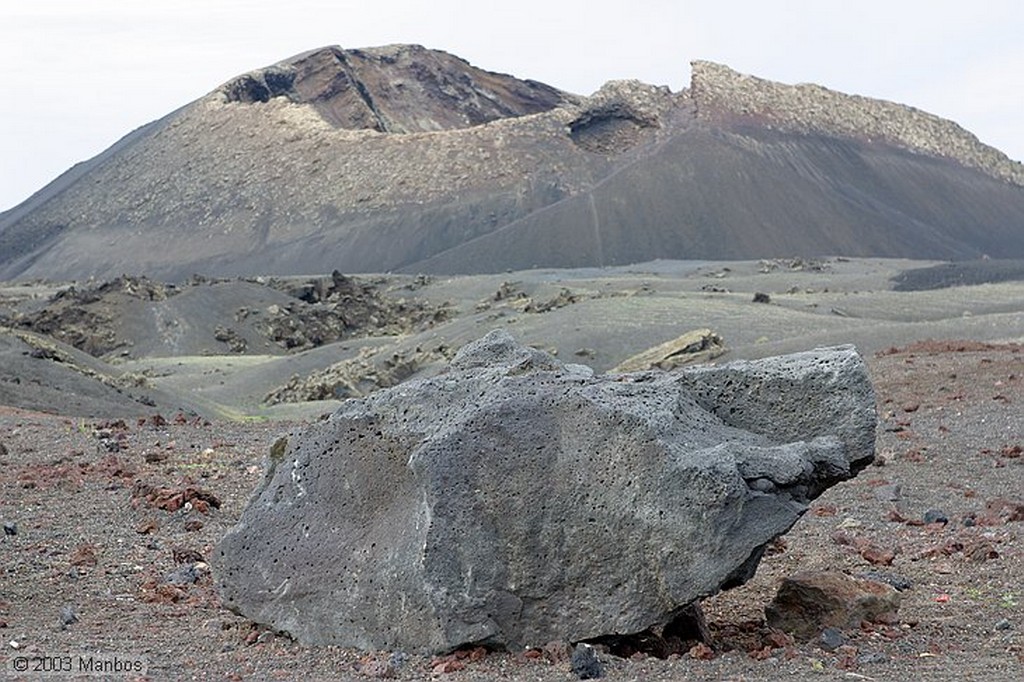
x,y
79,74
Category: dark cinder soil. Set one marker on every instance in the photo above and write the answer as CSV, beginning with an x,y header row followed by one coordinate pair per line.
x,y
99,514
960,273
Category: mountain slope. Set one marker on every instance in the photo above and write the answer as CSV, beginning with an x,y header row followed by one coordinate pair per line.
x,y
402,158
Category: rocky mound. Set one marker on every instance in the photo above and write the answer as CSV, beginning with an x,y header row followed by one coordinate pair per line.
x,y
407,159
40,374
139,317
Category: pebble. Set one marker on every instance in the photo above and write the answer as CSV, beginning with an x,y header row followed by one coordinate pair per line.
x,y
873,657
185,574
888,493
935,516
67,616
897,582
584,662
831,639
10,528
1003,624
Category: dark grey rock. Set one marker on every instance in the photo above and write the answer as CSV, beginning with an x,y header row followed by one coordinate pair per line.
x,y
186,574
831,639
936,516
585,664
67,616
1003,624
10,528
899,582
514,500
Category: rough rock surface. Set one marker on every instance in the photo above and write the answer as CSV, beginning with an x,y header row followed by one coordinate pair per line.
x,y
514,500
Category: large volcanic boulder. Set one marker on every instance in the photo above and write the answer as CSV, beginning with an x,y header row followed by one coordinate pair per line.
x,y
514,499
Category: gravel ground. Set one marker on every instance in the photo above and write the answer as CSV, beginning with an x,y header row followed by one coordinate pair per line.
x,y
99,515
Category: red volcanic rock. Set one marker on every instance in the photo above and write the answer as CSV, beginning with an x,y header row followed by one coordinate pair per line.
x,y
809,602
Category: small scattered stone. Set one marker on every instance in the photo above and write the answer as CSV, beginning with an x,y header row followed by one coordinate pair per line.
x,y
448,665
10,528
557,651
809,602
778,639
831,639
155,457
84,555
981,550
584,662
1003,624
871,658
1002,510
888,493
185,574
371,666
935,516
67,616
876,555
182,555
761,297
898,582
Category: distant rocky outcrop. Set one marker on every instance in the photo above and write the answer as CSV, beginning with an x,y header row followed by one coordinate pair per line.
x,y
406,159
132,316
513,500
394,89
718,91
697,346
